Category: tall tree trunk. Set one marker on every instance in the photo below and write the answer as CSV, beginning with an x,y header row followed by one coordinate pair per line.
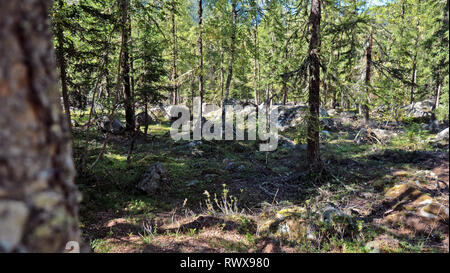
x,y
255,71
62,67
221,72
232,46
413,78
200,55
284,85
365,106
174,56
39,201
230,63
414,66
313,149
129,113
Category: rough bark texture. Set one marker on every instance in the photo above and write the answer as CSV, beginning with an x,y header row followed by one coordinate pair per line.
x,y
38,199
230,63
200,54
174,56
313,152
255,71
365,106
62,68
221,72
129,111
232,45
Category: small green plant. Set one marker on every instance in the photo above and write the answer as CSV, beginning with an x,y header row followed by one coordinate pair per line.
x,y
192,231
100,245
227,204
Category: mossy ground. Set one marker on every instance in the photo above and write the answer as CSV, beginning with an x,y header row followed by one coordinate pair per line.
x,y
117,217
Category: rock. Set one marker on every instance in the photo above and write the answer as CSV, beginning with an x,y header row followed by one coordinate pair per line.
x,y
407,192
117,126
373,246
330,212
230,166
13,215
382,243
290,223
443,135
435,210
384,135
368,135
210,176
141,119
294,115
419,109
154,179
193,183
194,143
414,209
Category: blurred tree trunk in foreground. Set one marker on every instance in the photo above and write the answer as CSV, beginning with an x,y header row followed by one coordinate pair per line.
x,y
38,199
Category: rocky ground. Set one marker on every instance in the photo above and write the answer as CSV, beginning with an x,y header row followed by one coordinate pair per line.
x,y
384,188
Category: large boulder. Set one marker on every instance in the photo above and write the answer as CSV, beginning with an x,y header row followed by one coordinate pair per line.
x,y
443,135
154,179
419,109
143,119
294,115
117,126
440,140
384,135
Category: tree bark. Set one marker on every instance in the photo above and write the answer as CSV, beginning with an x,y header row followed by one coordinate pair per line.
x,y
255,71
221,72
62,67
414,66
38,199
230,62
365,106
313,149
174,56
200,54
232,46
129,113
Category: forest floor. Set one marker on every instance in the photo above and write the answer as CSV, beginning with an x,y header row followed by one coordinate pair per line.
x,y
384,195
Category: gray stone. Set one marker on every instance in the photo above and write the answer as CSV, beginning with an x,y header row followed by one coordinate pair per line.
x,y
141,119
330,212
210,176
384,135
373,247
154,179
117,126
193,182
230,166
443,135
419,109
